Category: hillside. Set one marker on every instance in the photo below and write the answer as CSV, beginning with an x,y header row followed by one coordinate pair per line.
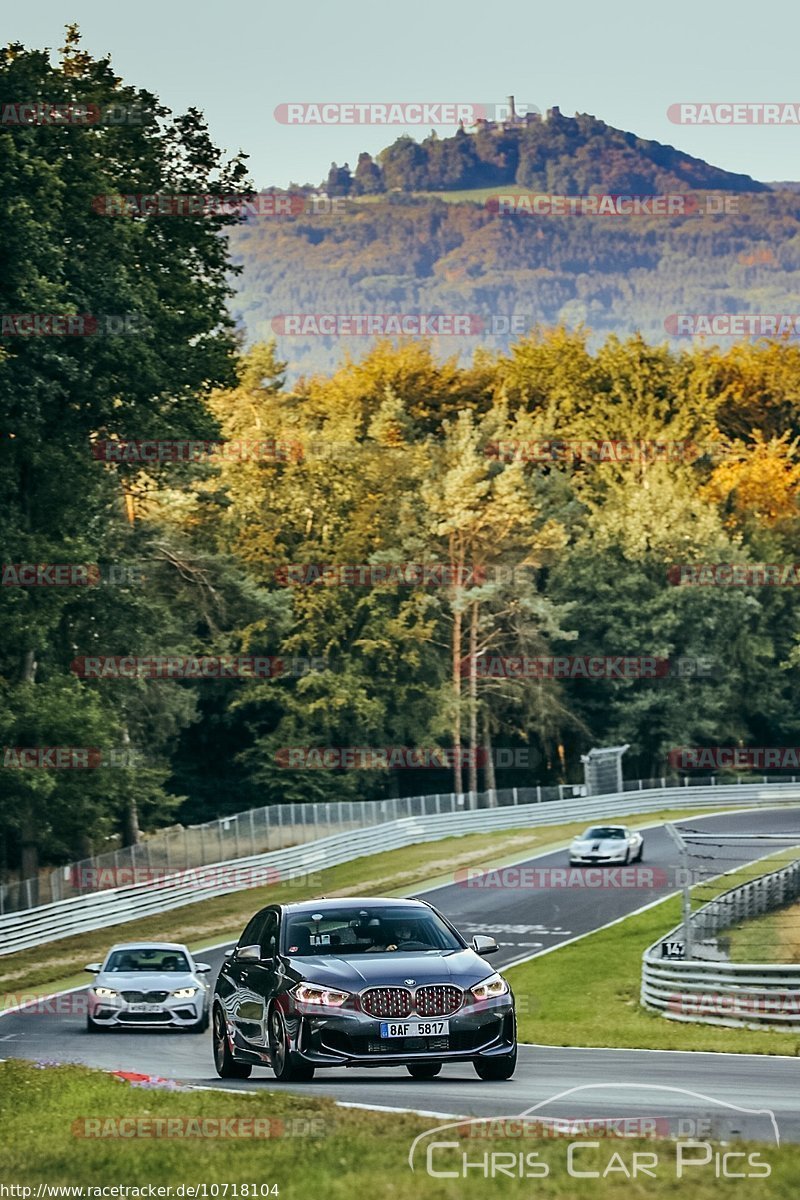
x,y
554,153
408,251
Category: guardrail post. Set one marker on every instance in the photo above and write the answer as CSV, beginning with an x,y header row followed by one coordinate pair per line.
x,y
687,895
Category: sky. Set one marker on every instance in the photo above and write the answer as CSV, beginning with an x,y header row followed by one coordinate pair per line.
x,y
624,62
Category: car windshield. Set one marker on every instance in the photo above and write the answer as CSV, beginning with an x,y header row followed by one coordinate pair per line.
x,y
349,931
144,959
604,831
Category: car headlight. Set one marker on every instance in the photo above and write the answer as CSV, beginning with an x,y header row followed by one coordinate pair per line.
x,y
105,993
495,985
314,993
185,993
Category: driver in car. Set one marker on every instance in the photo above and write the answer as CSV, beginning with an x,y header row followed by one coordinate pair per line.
x,y
402,933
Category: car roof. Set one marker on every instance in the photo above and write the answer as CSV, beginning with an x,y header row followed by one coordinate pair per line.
x,y
148,946
348,901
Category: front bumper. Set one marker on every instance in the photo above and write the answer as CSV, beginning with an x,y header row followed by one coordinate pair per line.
x,y
172,1014
578,860
340,1037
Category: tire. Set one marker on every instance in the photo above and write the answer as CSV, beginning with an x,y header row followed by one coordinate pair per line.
x,y
641,852
496,1068
285,1067
424,1070
226,1065
93,1027
202,1025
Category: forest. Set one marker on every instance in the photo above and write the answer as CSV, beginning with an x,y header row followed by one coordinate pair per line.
x,y
355,547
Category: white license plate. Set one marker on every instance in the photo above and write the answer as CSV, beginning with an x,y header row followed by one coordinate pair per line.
x,y
390,1029
152,1008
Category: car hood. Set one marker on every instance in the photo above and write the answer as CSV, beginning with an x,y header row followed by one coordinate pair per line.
x,y
145,981
392,968
600,845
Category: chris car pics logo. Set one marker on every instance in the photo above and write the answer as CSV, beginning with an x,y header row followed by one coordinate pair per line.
x,y
691,1137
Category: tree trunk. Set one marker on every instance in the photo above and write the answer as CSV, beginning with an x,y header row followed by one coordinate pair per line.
x,y
458,781
473,699
131,834
29,852
491,779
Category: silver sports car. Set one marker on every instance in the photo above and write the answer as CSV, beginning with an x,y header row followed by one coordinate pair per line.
x,y
606,844
151,984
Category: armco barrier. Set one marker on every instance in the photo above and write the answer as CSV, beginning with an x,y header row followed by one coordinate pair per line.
x,y
279,826
51,922
763,995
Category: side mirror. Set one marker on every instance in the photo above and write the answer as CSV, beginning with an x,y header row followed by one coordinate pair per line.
x,y
95,968
247,954
202,968
482,944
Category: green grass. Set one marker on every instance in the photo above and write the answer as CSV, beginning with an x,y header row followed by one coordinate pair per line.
x,y
59,965
587,994
350,1153
775,937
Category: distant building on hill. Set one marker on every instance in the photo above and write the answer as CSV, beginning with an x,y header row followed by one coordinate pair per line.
x,y
513,120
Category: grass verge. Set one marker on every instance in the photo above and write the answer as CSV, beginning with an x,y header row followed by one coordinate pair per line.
x,y
775,937
349,1153
587,994
59,965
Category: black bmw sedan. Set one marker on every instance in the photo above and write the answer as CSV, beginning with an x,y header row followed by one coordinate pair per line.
x,y
360,983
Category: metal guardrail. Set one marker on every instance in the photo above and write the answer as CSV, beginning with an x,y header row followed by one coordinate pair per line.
x,y
760,995
51,922
276,827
